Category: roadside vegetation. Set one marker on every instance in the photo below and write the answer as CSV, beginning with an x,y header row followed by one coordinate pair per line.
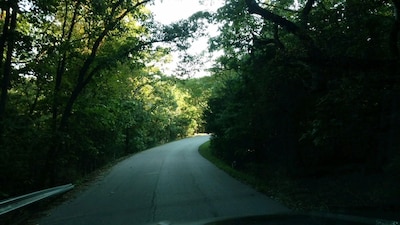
x,y
272,186
344,195
308,99
304,102
81,87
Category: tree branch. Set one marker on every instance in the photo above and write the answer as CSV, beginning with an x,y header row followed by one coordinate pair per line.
x,y
254,8
289,26
305,12
84,77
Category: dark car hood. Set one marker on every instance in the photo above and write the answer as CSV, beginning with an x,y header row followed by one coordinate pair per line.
x,y
312,218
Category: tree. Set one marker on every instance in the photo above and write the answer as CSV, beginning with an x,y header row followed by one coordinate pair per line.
x,y
310,80
7,43
82,75
83,32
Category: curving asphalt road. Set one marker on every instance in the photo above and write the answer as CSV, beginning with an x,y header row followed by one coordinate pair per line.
x,y
171,182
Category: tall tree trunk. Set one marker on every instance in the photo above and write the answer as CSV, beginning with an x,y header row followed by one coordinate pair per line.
x,y
4,82
8,42
305,12
4,36
49,171
394,34
62,63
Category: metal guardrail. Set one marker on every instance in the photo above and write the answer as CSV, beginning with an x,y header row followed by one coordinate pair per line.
x,y
11,204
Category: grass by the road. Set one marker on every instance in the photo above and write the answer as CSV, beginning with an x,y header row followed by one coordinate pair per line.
x,y
205,151
353,194
274,188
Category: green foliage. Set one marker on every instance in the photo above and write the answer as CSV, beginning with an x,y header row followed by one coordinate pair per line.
x,y
305,92
83,91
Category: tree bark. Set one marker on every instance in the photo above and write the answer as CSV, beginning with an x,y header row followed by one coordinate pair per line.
x,y
4,36
8,41
4,78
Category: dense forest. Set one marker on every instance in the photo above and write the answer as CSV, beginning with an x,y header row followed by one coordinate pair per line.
x,y
310,89
81,87
304,88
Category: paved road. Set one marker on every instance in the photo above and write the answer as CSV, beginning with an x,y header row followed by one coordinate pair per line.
x,y
171,182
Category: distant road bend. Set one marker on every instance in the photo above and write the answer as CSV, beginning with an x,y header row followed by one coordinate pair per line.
x,y
171,182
